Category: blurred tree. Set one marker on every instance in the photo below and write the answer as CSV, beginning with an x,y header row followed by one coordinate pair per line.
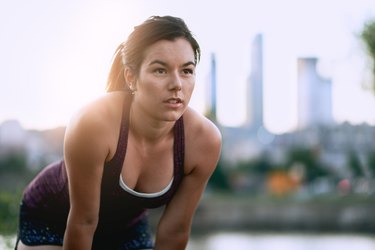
x,y
219,179
13,162
258,166
309,158
14,172
355,165
262,165
371,163
14,175
9,212
368,37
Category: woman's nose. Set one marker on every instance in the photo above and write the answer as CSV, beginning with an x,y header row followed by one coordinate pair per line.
x,y
176,83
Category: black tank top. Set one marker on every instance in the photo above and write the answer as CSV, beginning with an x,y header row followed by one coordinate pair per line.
x,y
111,191
47,196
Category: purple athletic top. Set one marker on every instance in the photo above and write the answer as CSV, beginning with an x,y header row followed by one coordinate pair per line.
x,y
47,197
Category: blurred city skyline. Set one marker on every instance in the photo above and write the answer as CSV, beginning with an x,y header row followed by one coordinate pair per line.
x,y
56,55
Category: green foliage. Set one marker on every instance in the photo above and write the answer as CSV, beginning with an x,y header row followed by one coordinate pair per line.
x,y
368,37
258,166
355,165
261,166
371,163
13,162
219,180
9,207
14,176
309,158
14,172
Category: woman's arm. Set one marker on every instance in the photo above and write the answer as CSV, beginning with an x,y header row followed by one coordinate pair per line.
x,y
85,151
202,151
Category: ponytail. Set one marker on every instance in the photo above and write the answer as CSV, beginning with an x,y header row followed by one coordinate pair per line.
x,y
116,80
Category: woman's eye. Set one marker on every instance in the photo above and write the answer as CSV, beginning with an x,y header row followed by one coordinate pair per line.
x,y
160,71
188,71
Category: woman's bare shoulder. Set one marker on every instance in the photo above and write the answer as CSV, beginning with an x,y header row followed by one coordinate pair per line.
x,y
202,141
96,123
199,125
96,113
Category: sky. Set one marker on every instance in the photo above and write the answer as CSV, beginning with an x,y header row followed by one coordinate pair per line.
x,y
55,55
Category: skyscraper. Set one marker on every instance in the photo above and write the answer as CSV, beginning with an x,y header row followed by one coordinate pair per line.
x,y
212,92
314,95
254,111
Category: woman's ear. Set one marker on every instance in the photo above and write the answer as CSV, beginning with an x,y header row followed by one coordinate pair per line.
x,y
129,77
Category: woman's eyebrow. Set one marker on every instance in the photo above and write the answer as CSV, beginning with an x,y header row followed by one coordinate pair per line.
x,y
189,63
158,62
166,64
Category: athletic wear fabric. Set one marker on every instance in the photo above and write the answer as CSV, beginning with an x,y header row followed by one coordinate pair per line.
x,y
46,198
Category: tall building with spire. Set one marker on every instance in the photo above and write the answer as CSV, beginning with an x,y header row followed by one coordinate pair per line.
x,y
212,112
254,98
251,138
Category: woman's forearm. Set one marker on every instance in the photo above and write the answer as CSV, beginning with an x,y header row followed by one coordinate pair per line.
x,y
78,237
172,240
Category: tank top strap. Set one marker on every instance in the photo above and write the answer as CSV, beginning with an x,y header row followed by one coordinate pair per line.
x,y
178,151
123,137
117,160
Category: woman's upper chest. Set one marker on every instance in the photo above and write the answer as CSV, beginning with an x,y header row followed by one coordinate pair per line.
x,y
148,167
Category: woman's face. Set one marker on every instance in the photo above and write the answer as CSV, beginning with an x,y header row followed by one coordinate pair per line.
x,y
166,79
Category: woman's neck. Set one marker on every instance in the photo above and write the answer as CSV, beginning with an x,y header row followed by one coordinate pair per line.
x,y
148,129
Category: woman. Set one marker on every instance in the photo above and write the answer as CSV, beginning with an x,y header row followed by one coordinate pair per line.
x,y
139,146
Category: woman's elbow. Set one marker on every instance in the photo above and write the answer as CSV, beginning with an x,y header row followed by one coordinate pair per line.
x,y
172,239
83,220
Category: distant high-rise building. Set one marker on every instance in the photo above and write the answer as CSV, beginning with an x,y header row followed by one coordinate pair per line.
x,y
212,91
314,95
254,113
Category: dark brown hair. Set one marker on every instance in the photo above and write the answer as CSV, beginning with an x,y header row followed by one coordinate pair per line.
x,y
130,53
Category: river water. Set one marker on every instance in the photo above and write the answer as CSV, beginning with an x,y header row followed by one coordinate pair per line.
x,y
286,241
271,241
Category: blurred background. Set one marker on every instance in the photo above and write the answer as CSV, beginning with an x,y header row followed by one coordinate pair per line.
x,y
289,83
